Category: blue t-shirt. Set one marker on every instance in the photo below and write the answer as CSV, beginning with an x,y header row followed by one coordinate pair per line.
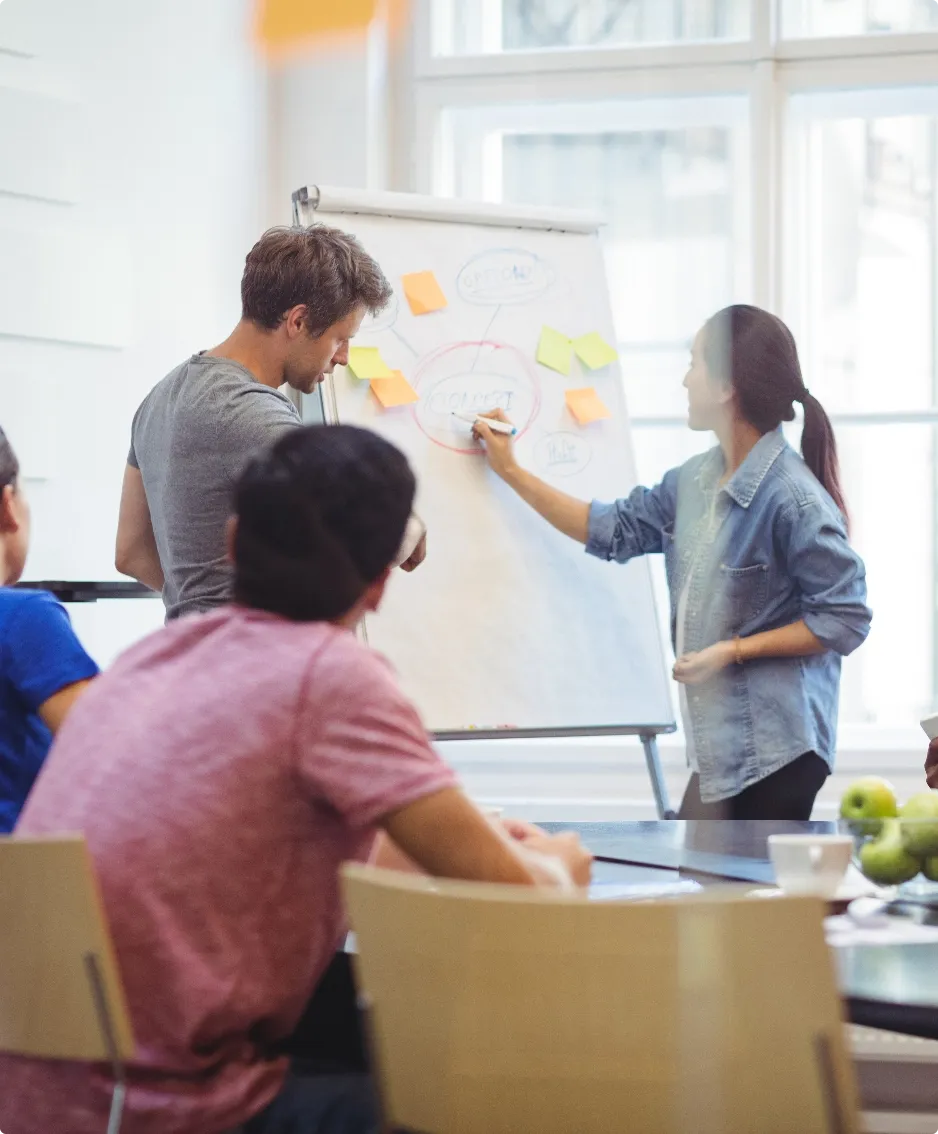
x,y
39,655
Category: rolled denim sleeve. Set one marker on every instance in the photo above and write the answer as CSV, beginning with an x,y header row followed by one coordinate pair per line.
x,y
633,526
831,578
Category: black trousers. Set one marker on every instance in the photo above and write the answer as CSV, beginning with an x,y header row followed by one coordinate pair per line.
x,y
329,1089
330,1038
788,793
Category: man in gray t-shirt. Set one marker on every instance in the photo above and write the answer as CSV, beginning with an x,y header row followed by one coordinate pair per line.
x,y
190,440
304,294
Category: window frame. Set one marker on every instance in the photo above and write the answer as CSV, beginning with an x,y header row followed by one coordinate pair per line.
x,y
768,69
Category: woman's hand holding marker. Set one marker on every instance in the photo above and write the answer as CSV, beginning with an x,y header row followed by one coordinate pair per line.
x,y
499,447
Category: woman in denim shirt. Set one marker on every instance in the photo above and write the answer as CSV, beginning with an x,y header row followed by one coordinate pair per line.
x,y
766,593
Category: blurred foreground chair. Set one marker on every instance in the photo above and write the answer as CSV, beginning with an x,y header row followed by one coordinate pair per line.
x,y
60,991
497,1010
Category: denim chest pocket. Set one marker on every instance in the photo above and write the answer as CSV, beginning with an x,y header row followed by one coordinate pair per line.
x,y
741,595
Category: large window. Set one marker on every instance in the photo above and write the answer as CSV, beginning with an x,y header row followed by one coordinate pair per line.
x,y
507,25
857,17
780,153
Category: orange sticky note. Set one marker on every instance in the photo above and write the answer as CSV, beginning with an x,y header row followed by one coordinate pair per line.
x,y
423,293
287,23
586,405
394,391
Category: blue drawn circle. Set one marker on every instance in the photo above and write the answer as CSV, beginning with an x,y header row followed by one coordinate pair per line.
x,y
562,454
504,276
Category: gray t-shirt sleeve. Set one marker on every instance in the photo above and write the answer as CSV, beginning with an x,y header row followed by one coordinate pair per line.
x,y
258,418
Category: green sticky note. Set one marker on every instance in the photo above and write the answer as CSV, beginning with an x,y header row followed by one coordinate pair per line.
x,y
593,350
554,350
365,362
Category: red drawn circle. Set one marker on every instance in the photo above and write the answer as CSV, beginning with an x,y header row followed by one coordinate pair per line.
x,y
525,370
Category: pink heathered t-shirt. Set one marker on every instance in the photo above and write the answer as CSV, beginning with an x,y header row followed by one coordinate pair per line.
x,y
221,772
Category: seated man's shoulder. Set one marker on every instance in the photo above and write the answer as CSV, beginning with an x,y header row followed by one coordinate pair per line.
x,y
31,616
344,661
16,601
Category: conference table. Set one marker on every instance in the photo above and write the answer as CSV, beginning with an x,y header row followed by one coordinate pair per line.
x,y
892,987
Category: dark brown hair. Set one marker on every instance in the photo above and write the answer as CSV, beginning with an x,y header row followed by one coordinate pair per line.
x,y
322,268
320,516
757,355
9,465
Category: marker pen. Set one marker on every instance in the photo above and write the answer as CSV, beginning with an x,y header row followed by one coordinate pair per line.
x,y
495,426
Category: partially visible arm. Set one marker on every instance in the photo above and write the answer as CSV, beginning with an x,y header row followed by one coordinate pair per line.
x,y
617,531
135,554
793,641
796,640
388,856
54,710
831,578
832,581
449,837
931,765
413,550
565,513
361,748
44,660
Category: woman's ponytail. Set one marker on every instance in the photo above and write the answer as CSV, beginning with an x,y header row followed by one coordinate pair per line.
x,y
819,449
756,353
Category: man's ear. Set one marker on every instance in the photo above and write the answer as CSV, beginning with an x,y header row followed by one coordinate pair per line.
x,y
10,521
295,321
231,532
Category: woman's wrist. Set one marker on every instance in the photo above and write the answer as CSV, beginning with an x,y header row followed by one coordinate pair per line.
x,y
513,475
731,650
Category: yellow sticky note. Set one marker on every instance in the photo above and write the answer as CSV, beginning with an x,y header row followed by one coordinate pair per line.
x,y
423,293
394,391
366,362
285,23
553,350
586,405
593,351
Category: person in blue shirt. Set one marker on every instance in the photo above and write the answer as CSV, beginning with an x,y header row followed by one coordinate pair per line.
x,y
43,668
766,593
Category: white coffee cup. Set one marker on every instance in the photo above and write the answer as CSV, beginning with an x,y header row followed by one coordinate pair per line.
x,y
810,864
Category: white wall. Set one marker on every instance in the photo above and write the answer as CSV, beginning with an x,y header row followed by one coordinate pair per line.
x,y
329,114
133,179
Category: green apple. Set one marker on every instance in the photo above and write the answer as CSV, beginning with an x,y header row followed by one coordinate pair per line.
x,y
868,801
920,833
885,860
930,868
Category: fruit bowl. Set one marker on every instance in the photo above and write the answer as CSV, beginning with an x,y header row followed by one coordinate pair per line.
x,y
898,853
894,846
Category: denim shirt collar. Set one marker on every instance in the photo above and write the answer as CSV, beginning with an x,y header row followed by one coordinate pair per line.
x,y
744,483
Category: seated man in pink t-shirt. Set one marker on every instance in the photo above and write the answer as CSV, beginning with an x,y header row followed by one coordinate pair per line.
x,y
221,772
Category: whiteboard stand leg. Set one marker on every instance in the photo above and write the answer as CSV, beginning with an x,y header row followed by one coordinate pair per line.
x,y
656,775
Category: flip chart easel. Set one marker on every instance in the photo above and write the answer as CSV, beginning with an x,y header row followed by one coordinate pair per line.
x,y
508,630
